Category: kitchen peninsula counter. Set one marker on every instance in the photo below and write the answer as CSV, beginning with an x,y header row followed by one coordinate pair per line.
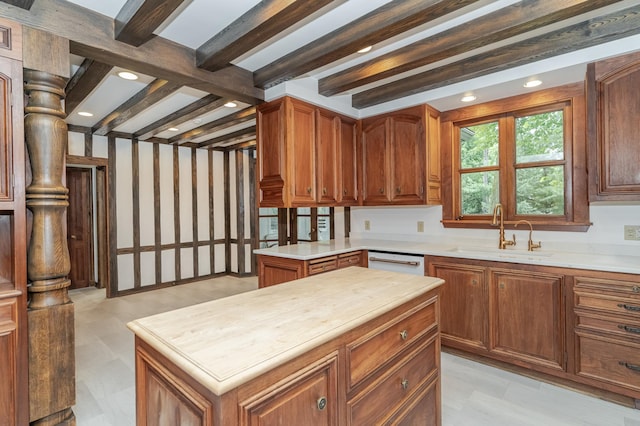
x,y
232,357
625,259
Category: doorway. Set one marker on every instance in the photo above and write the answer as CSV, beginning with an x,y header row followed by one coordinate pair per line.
x,y
87,225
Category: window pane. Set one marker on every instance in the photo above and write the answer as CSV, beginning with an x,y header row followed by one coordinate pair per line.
x,y
479,145
540,137
480,192
268,231
268,211
304,211
324,210
540,190
324,230
304,227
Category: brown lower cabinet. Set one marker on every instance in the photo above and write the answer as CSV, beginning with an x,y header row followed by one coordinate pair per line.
x,y
581,327
277,270
386,371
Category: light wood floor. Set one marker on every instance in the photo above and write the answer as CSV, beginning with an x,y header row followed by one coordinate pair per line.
x,y
472,394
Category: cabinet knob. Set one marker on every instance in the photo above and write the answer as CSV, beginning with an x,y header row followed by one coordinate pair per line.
x,y
474,282
321,403
404,334
308,190
381,190
324,191
631,367
398,190
73,237
405,384
344,191
629,329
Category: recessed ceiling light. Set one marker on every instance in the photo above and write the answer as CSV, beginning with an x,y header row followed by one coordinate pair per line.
x,y
468,98
127,75
173,129
365,49
231,104
533,83
85,114
197,120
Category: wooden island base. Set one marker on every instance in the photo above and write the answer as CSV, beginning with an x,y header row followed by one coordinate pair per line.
x,y
350,347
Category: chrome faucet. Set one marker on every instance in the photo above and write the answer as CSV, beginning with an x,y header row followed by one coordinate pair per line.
x,y
531,244
497,212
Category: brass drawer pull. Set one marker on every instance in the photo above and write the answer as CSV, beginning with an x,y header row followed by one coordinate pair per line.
x,y
629,329
321,403
631,367
405,384
629,307
404,334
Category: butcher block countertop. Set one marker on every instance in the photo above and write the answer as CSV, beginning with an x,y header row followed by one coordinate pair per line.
x,y
227,342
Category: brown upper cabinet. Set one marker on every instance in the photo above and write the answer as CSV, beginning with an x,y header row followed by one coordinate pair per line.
x,y
401,157
613,90
306,155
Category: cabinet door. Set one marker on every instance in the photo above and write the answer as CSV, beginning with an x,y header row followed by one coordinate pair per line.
x,y
464,305
613,127
527,317
6,169
348,169
271,153
375,162
433,171
276,270
306,398
326,161
407,146
301,153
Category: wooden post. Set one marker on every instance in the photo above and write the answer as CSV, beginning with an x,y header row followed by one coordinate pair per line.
x,y
51,314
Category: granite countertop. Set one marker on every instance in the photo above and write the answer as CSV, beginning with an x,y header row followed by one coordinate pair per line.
x,y
587,259
227,342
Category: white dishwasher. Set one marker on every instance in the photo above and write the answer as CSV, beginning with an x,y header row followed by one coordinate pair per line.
x,y
397,262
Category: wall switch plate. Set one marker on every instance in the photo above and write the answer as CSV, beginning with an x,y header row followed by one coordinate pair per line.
x,y
632,232
420,226
367,225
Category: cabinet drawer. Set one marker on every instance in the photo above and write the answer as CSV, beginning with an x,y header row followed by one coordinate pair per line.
x,y
322,265
606,303
396,387
364,355
608,286
620,327
349,259
609,361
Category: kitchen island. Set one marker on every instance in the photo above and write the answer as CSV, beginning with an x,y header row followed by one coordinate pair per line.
x,y
352,346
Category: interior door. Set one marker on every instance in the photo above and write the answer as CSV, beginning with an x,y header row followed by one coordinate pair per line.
x,y
80,227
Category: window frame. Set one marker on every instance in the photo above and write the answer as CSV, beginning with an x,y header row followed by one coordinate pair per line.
x,y
571,100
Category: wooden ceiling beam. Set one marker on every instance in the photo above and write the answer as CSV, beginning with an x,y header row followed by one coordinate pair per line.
x,y
225,122
201,106
240,145
504,23
152,93
23,4
138,19
265,20
602,29
91,35
239,135
387,21
83,82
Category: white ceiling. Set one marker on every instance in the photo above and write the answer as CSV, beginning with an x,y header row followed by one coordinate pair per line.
x,y
198,20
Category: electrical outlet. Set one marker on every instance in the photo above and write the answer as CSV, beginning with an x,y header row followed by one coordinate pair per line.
x,y
420,226
632,232
367,225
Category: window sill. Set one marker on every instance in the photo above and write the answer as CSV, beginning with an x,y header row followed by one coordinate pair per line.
x,y
546,226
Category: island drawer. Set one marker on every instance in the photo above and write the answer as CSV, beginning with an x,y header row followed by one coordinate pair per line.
x,y
615,304
385,342
395,387
610,361
322,265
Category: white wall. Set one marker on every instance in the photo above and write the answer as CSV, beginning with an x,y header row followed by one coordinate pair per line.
x,y
606,235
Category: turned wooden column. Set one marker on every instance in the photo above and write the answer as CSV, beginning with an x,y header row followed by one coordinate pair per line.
x,y
50,316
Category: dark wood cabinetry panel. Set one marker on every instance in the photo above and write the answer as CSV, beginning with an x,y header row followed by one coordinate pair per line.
x,y
271,153
375,178
6,163
326,162
348,167
301,153
613,90
407,158
464,304
528,317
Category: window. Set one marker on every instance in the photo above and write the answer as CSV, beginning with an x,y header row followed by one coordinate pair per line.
x,y
530,159
299,221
